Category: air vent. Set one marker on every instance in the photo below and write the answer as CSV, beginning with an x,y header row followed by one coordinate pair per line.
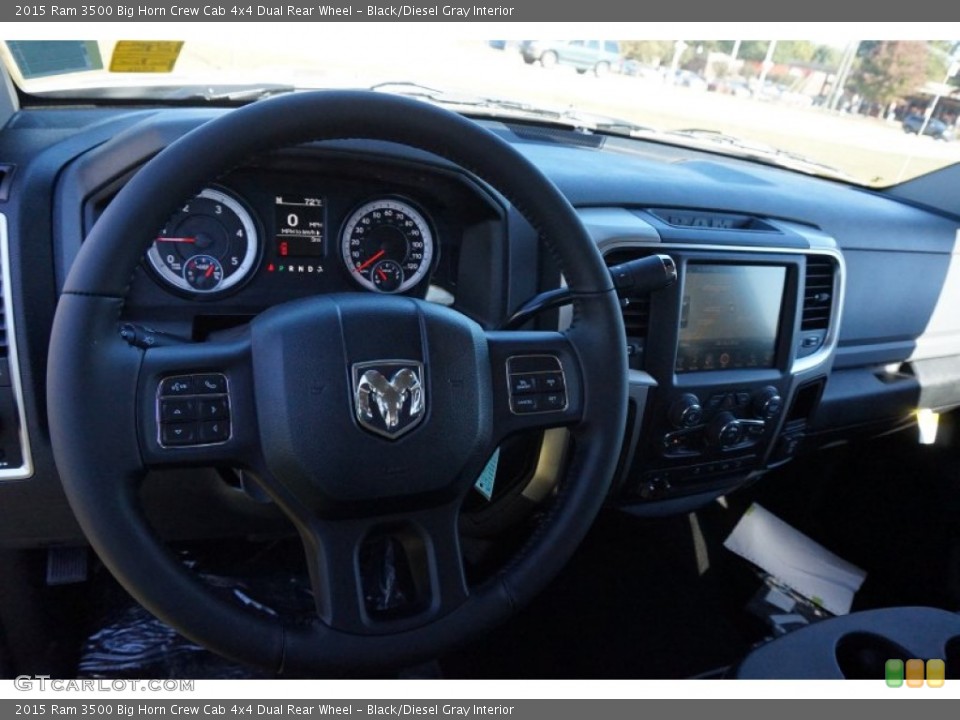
x,y
635,310
636,316
817,293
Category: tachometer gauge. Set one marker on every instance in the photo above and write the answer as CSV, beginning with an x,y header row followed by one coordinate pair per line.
x,y
208,246
387,246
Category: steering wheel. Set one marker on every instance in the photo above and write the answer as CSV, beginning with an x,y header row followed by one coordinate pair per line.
x,y
360,415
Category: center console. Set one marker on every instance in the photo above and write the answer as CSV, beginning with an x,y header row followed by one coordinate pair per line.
x,y
729,362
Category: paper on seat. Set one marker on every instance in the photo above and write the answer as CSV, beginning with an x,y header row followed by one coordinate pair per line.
x,y
796,560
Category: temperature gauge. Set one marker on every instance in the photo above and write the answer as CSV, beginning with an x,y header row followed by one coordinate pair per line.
x,y
387,276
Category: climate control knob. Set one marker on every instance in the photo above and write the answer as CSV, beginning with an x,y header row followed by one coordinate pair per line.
x,y
685,411
725,430
767,403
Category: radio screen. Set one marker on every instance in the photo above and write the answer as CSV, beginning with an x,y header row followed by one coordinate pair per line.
x,y
299,222
729,317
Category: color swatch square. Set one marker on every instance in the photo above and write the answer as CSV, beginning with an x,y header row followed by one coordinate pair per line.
x,y
914,673
936,673
893,672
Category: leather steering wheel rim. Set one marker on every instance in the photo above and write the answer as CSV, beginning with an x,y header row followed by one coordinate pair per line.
x,y
87,356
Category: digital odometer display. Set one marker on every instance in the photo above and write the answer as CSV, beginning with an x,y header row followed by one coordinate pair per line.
x,y
299,223
730,317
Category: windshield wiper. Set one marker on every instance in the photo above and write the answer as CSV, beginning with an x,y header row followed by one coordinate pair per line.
x,y
228,93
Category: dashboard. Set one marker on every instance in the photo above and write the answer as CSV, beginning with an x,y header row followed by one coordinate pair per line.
x,y
804,311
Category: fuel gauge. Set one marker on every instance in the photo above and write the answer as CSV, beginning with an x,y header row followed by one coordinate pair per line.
x,y
203,273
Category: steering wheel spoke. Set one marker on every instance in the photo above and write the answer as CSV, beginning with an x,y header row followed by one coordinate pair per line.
x,y
196,404
373,576
536,381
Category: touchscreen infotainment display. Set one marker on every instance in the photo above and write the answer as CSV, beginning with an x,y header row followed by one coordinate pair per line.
x,y
729,317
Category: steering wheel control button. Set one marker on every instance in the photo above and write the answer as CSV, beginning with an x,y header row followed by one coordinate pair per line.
x,y
552,381
536,384
177,409
554,401
213,408
523,384
179,434
210,384
215,431
202,398
526,404
180,385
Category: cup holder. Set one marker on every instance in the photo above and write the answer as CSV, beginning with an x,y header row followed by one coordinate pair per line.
x,y
863,656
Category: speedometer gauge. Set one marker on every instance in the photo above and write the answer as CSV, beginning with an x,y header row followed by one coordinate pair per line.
x,y
387,245
208,246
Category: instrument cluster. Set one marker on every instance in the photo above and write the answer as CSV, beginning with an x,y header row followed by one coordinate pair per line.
x,y
217,242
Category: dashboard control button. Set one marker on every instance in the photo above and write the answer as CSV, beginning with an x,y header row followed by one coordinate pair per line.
x,y
180,385
743,399
715,401
177,409
685,412
524,384
767,404
725,430
214,431
184,433
681,442
210,384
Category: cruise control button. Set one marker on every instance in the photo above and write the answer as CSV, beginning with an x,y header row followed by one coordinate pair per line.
x,y
551,381
214,431
553,401
213,408
526,404
523,384
177,409
210,384
178,433
180,385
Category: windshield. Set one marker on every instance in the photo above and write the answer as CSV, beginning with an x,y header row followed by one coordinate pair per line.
x,y
874,113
